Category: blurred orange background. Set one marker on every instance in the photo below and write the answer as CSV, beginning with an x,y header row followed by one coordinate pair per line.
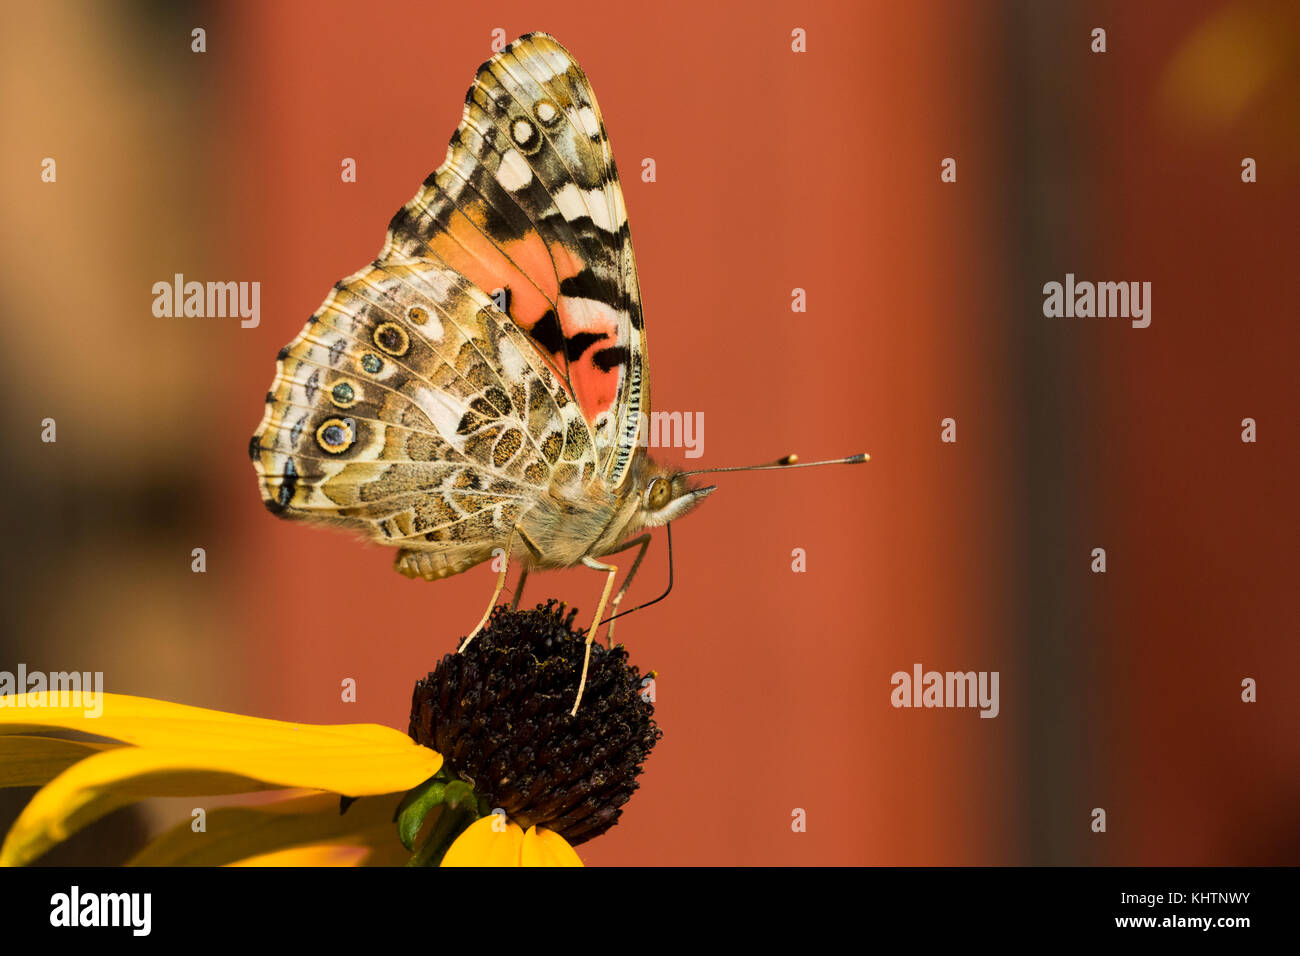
x,y
775,170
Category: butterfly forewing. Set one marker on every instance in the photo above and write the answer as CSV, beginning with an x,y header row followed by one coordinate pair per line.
x,y
529,202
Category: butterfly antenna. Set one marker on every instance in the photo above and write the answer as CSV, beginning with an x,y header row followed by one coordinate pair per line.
x,y
669,528
789,461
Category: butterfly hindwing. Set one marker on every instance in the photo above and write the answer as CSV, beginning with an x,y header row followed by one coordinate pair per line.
x,y
411,409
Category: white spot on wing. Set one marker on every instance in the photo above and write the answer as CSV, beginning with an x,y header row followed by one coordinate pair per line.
x,y
587,121
445,412
514,173
550,63
574,203
522,131
620,210
442,281
590,315
568,199
512,361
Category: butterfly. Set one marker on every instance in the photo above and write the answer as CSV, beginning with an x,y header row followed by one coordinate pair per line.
x,y
482,387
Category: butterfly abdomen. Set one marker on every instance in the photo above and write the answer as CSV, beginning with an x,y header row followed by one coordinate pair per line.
x,y
434,565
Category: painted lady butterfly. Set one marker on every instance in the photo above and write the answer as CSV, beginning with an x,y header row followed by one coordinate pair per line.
x,y
481,385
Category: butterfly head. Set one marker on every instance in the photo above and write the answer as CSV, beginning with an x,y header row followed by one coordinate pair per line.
x,y
666,495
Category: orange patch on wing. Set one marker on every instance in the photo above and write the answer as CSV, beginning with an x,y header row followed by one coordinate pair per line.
x,y
531,300
523,266
532,269
596,389
567,264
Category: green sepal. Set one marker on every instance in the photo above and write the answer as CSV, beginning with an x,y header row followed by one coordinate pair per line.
x,y
417,804
459,806
460,795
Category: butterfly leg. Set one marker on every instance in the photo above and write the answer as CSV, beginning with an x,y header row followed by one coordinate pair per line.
x,y
610,570
519,590
501,583
644,542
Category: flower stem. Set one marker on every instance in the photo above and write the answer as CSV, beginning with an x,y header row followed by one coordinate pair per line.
x,y
455,815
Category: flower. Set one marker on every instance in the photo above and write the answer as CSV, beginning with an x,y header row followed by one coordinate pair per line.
x,y
552,783
499,712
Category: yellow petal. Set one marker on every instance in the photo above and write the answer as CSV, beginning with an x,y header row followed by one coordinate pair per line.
x,y
488,841
385,761
35,761
241,835
547,848
319,855
159,723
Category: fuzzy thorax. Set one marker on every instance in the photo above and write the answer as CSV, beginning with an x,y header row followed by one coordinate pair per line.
x,y
561,531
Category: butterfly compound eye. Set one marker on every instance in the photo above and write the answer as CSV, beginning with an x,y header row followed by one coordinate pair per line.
x,y
659,494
